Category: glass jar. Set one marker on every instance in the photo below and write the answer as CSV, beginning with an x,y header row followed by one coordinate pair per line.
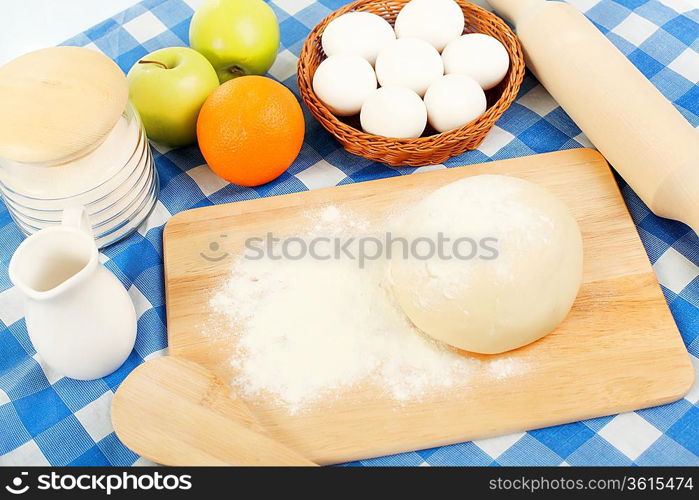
x,y
104,160
116,182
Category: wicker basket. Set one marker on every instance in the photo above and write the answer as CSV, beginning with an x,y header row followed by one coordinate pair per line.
x,y
432,148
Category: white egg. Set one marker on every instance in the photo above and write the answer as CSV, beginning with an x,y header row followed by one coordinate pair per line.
x,y
343,82
453,101
438,22
409,62
395,112
360,33
479,56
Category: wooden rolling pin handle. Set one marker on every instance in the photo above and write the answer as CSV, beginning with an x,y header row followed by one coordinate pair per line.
x,y
677,192
515,11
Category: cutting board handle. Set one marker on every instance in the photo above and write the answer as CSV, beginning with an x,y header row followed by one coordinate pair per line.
x,y
176,412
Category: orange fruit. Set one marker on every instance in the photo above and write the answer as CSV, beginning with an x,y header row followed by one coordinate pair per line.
x,y
250,130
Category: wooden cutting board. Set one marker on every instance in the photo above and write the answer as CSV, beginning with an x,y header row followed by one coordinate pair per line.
x,y
618,350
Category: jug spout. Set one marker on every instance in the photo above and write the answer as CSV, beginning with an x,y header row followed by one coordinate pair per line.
x,y
52,261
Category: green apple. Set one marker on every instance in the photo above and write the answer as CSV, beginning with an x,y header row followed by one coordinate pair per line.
x,y
168,88
238,37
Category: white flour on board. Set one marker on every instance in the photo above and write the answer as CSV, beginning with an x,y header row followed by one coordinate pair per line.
x,y
309,329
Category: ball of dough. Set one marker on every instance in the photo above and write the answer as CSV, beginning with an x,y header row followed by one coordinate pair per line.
x,y
453,101
360,33
513,275
409,62
479,56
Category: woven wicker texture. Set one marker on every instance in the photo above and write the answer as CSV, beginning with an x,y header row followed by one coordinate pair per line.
x,y
431,148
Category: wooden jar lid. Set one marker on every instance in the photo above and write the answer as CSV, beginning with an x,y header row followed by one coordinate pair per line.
x,y
57,102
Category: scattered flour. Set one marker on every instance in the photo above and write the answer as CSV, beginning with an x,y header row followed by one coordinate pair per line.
x,y
309,329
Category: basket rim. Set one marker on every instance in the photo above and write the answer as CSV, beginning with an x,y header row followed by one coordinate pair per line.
x,y
492,113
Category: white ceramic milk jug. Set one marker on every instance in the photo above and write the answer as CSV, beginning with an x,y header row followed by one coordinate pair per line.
x,y
79,317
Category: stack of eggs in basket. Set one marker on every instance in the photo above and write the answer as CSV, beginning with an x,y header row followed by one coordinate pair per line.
x,y
399,80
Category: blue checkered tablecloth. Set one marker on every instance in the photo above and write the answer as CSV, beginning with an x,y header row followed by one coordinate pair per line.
x,y
47,419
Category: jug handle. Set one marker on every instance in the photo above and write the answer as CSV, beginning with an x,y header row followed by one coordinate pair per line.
x,y
76,217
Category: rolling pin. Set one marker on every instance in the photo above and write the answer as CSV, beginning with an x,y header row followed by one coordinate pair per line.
x,y
628,120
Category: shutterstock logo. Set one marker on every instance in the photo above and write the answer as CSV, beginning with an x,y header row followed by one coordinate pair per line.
x,y
17,487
